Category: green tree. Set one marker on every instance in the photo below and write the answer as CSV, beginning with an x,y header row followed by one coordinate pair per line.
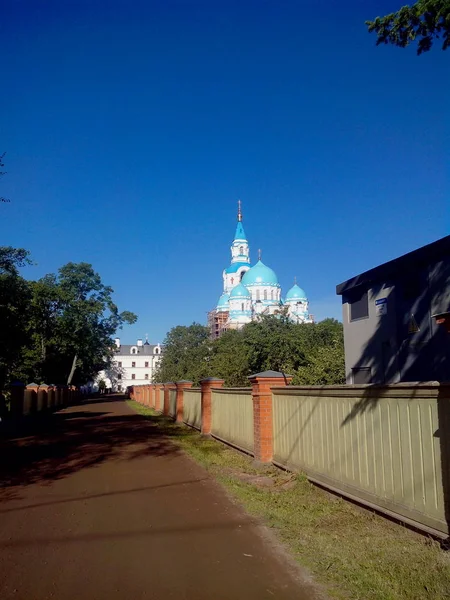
x,y
274,342
325,366
2,199
88,318
230,358
14,310
424,21
187,354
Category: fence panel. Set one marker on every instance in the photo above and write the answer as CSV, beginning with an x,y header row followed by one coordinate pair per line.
x,y
381,445
232,416
192,407
173,403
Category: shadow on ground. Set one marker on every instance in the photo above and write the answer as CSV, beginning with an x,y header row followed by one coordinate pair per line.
x,y
53,446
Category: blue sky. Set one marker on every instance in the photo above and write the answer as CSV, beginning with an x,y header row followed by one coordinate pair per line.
x,y
132,128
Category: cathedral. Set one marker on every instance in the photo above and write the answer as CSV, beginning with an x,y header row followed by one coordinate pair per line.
x,y
252,291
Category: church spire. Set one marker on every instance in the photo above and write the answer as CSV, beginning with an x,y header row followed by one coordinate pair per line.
x,y
240,233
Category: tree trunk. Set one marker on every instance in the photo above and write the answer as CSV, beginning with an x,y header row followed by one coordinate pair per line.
x,y
72,370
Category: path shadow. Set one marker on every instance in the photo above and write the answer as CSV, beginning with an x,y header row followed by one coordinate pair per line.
x,y
57,445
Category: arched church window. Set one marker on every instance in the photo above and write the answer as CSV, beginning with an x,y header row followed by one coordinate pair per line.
x,y
265,294
241,250
232,280
271,294
242,274
258,295
242,307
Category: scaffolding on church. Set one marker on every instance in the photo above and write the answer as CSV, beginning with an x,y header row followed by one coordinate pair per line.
x,y
217,323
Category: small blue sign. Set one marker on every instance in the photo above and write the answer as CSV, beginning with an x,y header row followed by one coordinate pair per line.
x,y
380,301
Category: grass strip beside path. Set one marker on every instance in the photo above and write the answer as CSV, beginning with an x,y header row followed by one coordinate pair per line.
x,y
357,554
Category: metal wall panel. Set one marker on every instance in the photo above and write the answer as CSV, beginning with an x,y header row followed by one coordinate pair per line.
x,y
173,403
382,446
232,416
192,408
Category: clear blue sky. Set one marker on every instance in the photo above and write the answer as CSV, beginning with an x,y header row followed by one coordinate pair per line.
x,y
132,128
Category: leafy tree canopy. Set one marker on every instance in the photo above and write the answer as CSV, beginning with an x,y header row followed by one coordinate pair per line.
x,y
423,21
312,353
58,329
187,352
2,173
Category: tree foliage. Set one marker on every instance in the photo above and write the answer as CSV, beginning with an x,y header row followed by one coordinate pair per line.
x,y
2,199
58,329
187,352
312,353
424,21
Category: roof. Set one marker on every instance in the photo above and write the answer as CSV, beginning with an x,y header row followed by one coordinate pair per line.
x,y
260,274
144,350
234,267
401,265
239,291
296,293
240,233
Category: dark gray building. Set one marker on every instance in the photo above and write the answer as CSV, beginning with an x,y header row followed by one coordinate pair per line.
x,y
396,318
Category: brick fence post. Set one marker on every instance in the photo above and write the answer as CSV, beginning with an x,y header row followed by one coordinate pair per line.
x,y
30,404
167,387
51,396
42,397
157,392
58,395
262,411
206,386
181,386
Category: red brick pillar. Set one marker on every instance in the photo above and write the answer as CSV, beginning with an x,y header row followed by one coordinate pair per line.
x,y
157,393
42,397
30,404
262,411
206,386
167,387
51,396
181,386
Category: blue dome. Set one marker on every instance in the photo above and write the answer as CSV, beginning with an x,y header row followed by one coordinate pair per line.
x,y
223,302
234,267
296,293
260,275
239,291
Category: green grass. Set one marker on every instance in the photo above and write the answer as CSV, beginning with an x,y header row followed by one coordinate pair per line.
x,y
356,554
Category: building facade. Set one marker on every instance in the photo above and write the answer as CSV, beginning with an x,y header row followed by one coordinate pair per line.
x,y
252,291
396,318
133,364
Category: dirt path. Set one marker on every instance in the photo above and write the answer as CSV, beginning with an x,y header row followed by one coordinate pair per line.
x,y
96,504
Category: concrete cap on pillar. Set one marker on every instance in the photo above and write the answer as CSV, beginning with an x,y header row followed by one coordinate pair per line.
x,y
30,385
270,375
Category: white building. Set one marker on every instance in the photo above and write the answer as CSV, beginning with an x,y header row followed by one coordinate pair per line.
x,y
249,292
133,364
